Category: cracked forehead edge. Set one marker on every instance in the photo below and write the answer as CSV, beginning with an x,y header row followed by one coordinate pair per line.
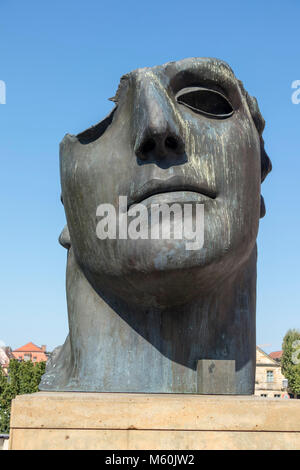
x,y
211,64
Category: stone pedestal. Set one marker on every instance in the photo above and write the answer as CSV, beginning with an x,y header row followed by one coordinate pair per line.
x,y
50,420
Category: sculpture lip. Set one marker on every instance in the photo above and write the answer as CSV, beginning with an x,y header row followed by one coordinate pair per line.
x,y
171,185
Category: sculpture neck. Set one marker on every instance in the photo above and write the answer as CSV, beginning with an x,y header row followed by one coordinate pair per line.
x,y
130,349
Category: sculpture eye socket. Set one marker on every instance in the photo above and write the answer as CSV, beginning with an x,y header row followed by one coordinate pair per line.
x,y
205,101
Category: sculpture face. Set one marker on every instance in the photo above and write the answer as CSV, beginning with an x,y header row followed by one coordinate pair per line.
x,y
168,140
188,133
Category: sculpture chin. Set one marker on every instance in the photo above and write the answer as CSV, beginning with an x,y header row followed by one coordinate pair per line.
x,y
163,273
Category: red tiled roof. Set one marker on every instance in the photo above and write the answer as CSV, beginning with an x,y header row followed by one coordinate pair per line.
x,y
29,347
276,354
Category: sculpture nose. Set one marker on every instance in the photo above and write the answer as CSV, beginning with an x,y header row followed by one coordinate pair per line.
x,y
157,135
159,143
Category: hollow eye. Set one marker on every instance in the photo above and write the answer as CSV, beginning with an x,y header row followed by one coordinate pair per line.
x,y
204,101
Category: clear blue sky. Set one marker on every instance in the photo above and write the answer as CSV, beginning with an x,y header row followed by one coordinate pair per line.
x,y
61,60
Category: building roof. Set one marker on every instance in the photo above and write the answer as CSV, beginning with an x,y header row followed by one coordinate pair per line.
x,y
29,347
262,358
276,355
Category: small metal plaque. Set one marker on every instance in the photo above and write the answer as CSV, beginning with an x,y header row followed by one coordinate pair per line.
x,y
216,377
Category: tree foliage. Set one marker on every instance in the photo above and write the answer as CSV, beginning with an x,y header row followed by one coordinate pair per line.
x,y
24,377
290,362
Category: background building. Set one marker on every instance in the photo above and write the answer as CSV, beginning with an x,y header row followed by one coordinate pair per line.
x,y
30,352
269,381
276,355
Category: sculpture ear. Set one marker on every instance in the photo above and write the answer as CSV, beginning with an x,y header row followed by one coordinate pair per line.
x,y
262,207
64,238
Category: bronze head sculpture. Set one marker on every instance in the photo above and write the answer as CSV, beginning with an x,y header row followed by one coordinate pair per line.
x,y
143,312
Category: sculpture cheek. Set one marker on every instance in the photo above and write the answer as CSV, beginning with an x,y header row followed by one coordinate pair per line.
x,y
64,238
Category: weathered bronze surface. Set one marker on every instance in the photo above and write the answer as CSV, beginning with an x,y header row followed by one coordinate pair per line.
x,y
142,313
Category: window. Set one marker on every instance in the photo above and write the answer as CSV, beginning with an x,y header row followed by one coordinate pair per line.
x,y
276,395
263,395
270,376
